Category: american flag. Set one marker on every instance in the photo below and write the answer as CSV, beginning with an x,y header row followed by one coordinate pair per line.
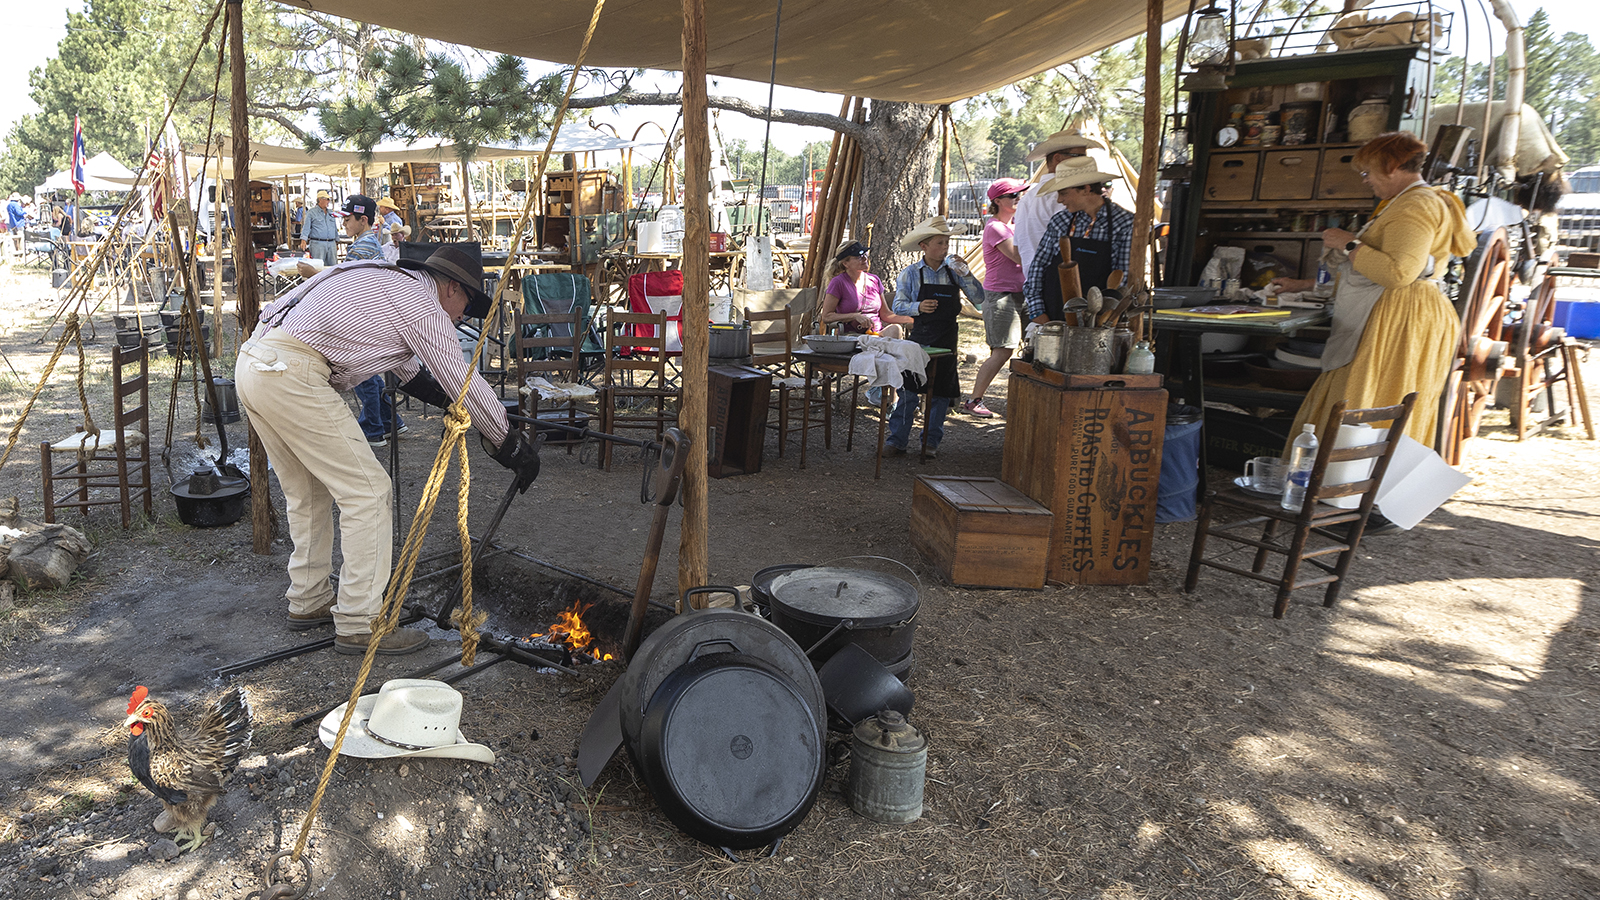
x,y
78,157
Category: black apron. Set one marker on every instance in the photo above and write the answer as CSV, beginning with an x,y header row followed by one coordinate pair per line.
x,y
1094,270
938,329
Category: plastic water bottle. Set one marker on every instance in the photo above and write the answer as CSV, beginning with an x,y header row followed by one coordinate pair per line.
x,y
1302,459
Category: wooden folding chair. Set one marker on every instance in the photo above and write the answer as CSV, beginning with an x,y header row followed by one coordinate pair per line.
x,y
772,350
1338,529
116,459
635,375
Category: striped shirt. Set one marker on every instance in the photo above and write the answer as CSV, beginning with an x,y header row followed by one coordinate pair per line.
x,y
367,320
1113,224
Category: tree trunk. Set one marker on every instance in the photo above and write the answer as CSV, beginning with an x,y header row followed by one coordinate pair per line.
x,y
898,151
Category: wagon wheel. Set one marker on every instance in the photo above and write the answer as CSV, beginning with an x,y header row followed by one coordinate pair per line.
x,y
1482,353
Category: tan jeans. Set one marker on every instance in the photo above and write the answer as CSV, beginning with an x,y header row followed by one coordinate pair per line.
x,y
321,458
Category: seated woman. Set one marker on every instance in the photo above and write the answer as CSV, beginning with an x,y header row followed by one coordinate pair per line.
x,y
1393,331
854,297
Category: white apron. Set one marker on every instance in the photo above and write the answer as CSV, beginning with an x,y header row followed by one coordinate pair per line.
x,y
1353,301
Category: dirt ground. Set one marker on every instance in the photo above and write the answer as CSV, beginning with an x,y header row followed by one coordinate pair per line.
x,y
1432,736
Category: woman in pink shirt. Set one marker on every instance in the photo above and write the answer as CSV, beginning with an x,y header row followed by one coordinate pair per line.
x,y
854,296
1002,287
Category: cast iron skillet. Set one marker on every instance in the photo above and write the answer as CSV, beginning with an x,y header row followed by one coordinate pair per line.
x,y
733,750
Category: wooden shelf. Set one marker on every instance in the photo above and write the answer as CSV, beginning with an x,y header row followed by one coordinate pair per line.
x,y
1293,205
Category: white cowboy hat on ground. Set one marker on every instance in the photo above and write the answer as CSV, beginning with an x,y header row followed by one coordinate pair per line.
x,y
407,717
1062,140
1075,172
933,226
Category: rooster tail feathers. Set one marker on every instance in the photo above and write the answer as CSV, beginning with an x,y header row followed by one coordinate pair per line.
x,y
229,723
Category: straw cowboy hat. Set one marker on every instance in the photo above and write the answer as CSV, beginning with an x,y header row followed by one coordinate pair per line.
x,y
386,203
403,230
1062,140
324,195
407,717
933,226
1075,172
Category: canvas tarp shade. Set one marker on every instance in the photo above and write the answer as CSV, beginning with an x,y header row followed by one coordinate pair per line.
x,y
929,52
269,161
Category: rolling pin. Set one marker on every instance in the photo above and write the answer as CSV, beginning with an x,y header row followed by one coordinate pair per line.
x,y
1068,272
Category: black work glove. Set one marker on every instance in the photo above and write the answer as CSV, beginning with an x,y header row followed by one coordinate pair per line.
x,y
518,454
426,388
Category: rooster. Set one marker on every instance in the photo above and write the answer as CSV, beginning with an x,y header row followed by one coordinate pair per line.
x,y
186,770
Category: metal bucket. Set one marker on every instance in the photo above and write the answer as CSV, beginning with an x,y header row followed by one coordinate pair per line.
x,y
1075,351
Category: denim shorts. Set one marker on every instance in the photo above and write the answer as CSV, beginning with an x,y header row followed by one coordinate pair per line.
x,y
1003,313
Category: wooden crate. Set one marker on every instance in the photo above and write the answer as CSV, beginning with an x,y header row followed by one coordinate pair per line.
x,y
1232,176
736,411
1091,455
1288,175
980,532
1339,181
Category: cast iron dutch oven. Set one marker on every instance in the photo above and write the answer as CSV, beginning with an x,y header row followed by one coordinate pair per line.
x,y
699,707
732,750
825,607
761,584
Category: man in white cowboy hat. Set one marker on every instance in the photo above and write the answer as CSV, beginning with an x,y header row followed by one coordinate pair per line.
x,y
1035,207
1101,233
326,336
319,231
927,291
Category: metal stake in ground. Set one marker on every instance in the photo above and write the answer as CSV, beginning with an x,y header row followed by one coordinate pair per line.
x,y
674,455
449,607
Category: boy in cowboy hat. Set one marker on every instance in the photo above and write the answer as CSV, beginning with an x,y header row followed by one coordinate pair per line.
x,y
329,335
927,291
1035,207
1101,233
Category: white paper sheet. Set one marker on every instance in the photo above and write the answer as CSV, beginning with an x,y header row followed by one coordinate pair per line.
x,y
1417,483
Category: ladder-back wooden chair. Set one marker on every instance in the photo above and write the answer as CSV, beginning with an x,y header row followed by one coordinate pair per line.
x,y
1336,530
114,462
635,378
550,346
772,350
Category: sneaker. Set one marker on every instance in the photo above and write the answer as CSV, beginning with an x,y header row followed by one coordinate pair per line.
x,y
322,615
403,428
975,407
890,450
875,396
396,643
930,453
381,440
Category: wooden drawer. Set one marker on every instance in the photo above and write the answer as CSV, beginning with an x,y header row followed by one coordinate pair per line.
x,y
980,532
1288,175
1339,181
1232,176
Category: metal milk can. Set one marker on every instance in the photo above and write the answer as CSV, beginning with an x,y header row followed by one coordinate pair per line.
x,y
888,762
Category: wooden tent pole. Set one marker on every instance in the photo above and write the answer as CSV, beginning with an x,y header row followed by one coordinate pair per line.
x,y
1145,200
466,200
693,556
246,288
944,162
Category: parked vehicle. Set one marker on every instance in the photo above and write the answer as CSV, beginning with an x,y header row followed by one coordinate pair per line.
x,y
783,205
969,203
1579,211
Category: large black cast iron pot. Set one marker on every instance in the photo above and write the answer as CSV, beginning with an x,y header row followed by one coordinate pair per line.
x,y
825,607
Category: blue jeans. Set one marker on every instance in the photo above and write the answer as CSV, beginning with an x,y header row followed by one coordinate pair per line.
x,y
905,413
370,393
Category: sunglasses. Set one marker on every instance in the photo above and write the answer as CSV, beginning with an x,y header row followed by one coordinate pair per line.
x,y
1008,196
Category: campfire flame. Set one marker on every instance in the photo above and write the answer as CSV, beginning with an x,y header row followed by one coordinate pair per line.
x,y
570,629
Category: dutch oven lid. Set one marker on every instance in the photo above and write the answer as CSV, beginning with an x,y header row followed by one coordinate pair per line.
x,y
705,631
824,595
735,752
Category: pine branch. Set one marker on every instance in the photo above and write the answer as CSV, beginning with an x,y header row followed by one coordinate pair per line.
x,y
628,97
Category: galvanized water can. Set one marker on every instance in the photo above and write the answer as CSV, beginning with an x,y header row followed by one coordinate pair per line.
x,y
888,762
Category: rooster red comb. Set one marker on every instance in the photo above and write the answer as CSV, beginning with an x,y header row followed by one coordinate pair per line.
x,y
139,693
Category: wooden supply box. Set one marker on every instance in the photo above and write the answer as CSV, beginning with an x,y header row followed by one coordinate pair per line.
x,y
980,532
1232,176
1339,179
1088,447
736,411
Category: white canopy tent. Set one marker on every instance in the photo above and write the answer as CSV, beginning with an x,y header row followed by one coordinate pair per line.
x,y
102,173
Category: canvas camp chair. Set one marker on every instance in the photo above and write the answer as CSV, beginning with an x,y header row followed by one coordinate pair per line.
x,y
563,294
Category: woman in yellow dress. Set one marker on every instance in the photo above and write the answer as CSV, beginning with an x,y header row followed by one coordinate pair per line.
x,y
1393,331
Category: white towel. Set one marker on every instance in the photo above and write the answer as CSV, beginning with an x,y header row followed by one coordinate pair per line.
x,y
881,360
558,391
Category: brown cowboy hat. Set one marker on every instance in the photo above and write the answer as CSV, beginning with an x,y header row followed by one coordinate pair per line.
x,y
460,262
